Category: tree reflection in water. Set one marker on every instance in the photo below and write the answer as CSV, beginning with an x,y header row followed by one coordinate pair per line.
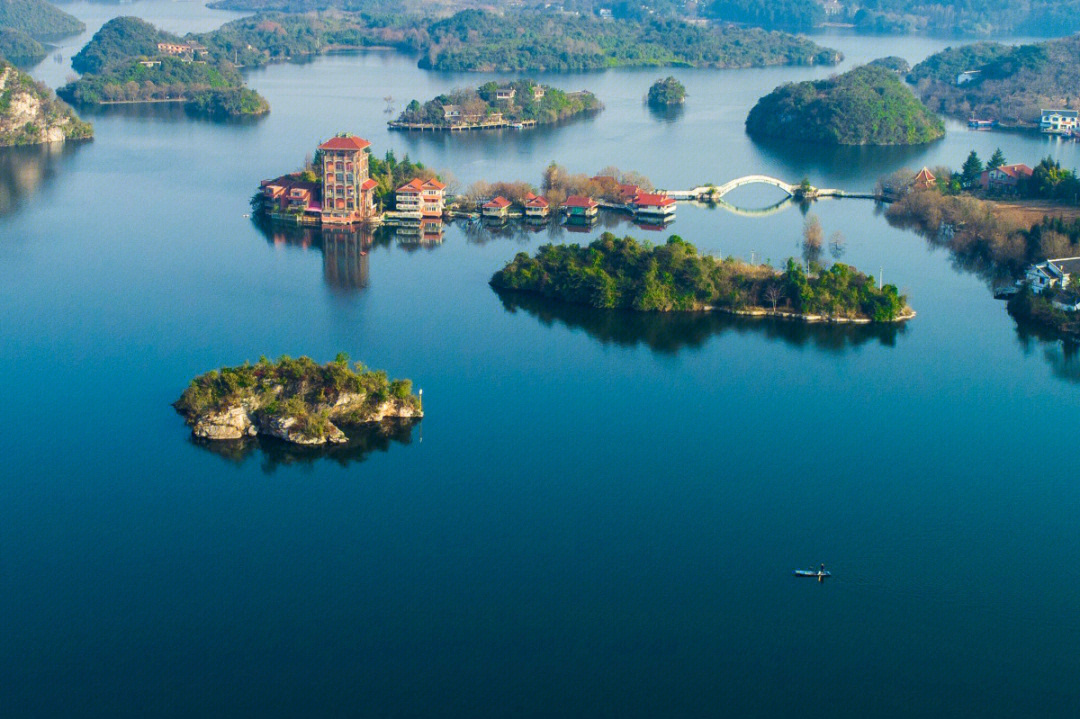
x,y
669,332
23,170
363,440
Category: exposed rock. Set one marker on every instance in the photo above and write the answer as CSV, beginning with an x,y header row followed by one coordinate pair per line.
x,y
231,423
30,114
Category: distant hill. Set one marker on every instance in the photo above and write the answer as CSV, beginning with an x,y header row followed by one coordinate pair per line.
x,y
38,19
864,106
121,38
1012,83
18,47
30,114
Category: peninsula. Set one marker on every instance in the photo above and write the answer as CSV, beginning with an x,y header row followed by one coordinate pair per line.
x,y
30,114
38,19
865,106
1004,84
130,61
295,400
523,103
20,48
615,273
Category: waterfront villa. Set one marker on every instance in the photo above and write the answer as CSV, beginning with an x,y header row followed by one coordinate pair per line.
x,y
292,195
924,180
1057,273
538,92
498,208
653,206
581,206
1004,178
1058,122
536,207
425,198
505,94
348,192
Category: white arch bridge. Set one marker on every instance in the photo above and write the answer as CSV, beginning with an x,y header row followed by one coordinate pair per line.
x,y
713,193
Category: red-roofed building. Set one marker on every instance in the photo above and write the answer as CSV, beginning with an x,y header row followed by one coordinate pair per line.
x,y
581,206
536,207
1004,178
653,206
426,198
498,207
345,175
289,194
924,180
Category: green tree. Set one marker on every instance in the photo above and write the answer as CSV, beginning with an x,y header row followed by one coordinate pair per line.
x,y
973,167
996,160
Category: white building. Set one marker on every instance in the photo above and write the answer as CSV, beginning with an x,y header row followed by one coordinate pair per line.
x,y
1053,273
1058,122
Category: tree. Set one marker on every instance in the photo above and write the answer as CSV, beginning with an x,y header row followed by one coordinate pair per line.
x,y
812,233
836,244
973,167
996,160
774,293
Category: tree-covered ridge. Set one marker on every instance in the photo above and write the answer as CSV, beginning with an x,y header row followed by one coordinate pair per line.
x,y
19,48
118,40
1012,85
483,41
517,41
665,92
800,15
38,19
298,396
864,106
473,106
622,273
31,114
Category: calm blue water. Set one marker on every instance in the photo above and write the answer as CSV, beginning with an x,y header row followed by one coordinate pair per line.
x,y
599,514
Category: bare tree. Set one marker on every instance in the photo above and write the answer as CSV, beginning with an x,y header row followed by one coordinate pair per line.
x,y
774,293
837,245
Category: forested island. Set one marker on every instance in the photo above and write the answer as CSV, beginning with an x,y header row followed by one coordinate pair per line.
x,y
495,104
864,106
666,93
19,48
38,19
295,400
614,273
130,61
1010,84
30,114
512,41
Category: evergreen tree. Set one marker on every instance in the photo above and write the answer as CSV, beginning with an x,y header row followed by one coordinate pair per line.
x,y
996,160
973,167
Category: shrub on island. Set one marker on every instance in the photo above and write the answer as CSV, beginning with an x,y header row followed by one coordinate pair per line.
x,y
666,92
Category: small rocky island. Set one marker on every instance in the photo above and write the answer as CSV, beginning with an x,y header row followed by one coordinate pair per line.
x,y
667,92
295,400
869,105
31,115
616,273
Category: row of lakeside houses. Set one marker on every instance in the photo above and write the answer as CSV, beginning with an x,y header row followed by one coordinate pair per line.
x,y
1004,179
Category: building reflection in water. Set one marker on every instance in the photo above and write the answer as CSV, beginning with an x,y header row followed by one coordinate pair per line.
x,y
423,232
344,250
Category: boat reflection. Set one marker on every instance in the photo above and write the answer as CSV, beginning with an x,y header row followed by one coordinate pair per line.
x,y
670,332
363,441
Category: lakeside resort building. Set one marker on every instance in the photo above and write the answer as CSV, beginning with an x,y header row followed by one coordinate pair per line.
x,y
652,207
536,207
579,207
1005,178
1059,122
1053,274
497,208
345,197
422,198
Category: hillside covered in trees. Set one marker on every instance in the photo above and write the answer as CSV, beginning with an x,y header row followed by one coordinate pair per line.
x,y
864,106
122,64
19,48
480,41
531,101
613,273
38,19
1012,85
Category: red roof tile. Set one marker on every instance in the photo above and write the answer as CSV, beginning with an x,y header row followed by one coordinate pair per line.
x,y
368,184
498,203
579,201
653,200
345,142
535,201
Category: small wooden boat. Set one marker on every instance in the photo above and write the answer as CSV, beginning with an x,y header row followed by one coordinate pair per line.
x,y
821,573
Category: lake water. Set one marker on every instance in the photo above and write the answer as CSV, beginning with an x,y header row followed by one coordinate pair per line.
x,y
600,512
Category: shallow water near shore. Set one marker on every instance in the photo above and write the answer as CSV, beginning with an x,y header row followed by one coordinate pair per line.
x,y
600,512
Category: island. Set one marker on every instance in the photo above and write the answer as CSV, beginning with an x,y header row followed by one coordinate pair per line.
x,y
295,400
666,93
614,273
523,103
30,114
517,40
130,61
864,106
1000,84
19,48
38,19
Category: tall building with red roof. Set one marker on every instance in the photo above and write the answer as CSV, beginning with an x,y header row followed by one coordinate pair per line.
x,y
348,192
